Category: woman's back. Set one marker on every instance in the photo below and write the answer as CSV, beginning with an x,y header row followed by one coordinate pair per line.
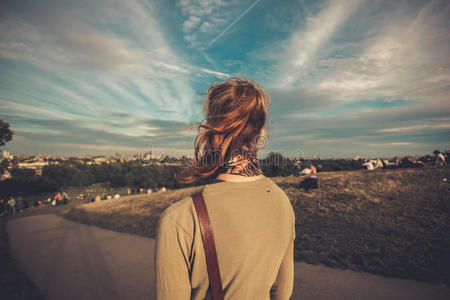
x,y
253,225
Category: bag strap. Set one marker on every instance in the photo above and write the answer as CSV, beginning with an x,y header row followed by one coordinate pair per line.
x,y
209,246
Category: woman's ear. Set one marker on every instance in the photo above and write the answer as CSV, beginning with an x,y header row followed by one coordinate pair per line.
x,y
262,132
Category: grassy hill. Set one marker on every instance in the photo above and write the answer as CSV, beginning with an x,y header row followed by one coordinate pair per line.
x,y
390,222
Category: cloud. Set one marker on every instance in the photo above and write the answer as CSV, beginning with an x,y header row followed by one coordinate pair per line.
x,y
191,23
406,58
301,49
136,133
69,58
288,101
206,21
416,128
232,24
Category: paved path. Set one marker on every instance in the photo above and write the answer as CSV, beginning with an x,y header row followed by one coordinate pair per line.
x,y
68,260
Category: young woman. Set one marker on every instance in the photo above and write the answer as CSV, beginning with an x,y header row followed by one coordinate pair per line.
x,y
251,217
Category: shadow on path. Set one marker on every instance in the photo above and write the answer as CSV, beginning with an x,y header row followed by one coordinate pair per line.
x,y
67,260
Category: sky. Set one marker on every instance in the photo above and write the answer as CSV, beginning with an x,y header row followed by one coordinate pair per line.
x,y
345,77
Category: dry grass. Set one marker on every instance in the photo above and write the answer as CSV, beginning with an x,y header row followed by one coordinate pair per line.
x,y
390,222
136,214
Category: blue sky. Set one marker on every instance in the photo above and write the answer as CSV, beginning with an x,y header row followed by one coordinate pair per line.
x,y
345,77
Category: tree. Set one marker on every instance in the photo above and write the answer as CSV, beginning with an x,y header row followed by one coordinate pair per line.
x,y
5,133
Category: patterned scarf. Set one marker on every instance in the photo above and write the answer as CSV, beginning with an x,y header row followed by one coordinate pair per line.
x,y
242,166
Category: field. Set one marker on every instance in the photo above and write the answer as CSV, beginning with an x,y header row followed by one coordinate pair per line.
x,y
390,222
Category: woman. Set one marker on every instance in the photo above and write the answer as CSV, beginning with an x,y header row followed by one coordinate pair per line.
x,y
252,218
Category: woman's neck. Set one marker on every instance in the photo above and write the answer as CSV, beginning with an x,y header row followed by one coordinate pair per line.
x,y
238,178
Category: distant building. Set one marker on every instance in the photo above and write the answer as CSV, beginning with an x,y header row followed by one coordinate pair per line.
x,y
35,165
5,155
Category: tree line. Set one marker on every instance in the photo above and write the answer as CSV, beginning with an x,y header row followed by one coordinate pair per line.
x,y
134,174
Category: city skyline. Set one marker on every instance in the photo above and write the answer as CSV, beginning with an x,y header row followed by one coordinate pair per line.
x,y
345,77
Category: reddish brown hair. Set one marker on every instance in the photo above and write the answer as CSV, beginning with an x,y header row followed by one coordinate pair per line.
x,y
235,112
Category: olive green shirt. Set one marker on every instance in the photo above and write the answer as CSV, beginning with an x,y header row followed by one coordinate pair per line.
x,y
254,230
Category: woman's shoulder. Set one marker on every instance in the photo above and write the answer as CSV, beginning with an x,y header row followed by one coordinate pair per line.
x,y
180,213
179,207
278,189
285,202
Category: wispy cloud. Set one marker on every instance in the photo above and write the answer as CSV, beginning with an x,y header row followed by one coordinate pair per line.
x,y
300,51
416,128
232,24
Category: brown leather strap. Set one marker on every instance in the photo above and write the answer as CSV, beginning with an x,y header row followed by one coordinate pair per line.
x,y
209,246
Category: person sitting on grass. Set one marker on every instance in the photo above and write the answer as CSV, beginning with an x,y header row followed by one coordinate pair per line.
x,y
313,169
65,198
369,165
12,205
58,198
311,181
439,158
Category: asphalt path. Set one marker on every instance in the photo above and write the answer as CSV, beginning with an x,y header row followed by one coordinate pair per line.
x,y
69,260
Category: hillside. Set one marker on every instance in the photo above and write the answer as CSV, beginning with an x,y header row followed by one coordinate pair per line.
x,y
390,222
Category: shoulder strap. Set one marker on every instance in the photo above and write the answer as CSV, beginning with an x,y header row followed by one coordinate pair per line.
x,y
209,246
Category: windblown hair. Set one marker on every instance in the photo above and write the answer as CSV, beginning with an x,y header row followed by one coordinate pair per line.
x,y
229,137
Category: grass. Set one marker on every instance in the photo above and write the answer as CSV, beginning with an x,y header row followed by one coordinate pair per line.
x,y
15,284
389,222
72,192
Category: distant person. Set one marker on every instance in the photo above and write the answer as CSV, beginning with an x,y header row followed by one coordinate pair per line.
x,y
12,205
378,164
163,189
306,171
3,207
149,191
25,204
58,198
369,165
97,198
310,182
252,217
396,161
439,158
411,162
19,204
65,198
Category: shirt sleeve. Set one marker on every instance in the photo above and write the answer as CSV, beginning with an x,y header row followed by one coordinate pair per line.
x,y
172,261
284,283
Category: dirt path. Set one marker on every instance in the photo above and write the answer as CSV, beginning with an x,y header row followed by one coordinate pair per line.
x,y
68,260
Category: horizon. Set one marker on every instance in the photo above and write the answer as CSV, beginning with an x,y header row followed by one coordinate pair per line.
x,y
260,155
345,78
